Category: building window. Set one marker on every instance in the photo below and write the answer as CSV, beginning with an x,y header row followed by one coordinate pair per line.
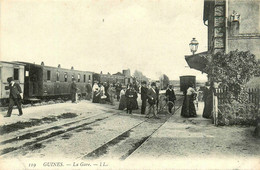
x,y
89,77
16,74
78,77
58,76
84,78
48,75
65,77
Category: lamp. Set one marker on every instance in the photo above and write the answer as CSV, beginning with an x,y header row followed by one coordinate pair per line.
x,y
193,45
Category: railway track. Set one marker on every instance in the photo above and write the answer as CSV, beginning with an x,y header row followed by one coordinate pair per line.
x,y
126,143
48,133
33,139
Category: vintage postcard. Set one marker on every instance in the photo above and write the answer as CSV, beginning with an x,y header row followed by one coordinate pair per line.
x,y
122,84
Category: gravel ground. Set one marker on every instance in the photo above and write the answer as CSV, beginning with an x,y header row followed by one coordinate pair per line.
x,y
195,142
179,143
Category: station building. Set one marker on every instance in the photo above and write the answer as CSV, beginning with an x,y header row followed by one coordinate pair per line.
x,y
232,24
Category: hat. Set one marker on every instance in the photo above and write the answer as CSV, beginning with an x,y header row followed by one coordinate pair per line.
x,y
144,82
153,84
9,79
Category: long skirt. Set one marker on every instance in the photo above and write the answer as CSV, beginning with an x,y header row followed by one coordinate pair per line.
x,y
135,105
96,97
131,104
188,107
122,103
208,107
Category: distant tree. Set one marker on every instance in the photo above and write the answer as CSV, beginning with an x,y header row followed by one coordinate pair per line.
x,y
165,81
139,76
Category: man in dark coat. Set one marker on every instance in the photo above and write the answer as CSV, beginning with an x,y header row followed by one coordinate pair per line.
x,y
144,91
131,97
152,97
157,90
89,91
15,96
170,97
118,89
73,90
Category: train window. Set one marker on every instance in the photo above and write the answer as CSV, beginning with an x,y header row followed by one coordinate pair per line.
x,y
48,75
84,78
78,77
16,74
89,77
65,77
58,76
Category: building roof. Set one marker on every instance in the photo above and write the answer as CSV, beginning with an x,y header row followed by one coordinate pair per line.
x,y
198,61
119,74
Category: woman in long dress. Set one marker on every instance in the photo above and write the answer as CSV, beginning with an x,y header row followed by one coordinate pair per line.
x,y
208,102
188,107
122,102
96,93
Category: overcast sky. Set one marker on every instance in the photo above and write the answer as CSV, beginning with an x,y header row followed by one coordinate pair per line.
x,y
100,35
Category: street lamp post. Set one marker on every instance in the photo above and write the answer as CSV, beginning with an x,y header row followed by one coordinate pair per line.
x,y
193,45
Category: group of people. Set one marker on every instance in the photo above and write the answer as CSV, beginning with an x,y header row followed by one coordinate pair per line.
x,y
209,98
105,92
150,95
127,97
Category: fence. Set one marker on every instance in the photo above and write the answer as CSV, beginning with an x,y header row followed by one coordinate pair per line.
x,y
253,96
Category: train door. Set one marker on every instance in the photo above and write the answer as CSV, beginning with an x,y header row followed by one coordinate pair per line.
x,y
26,82
33,81
34,76
57,90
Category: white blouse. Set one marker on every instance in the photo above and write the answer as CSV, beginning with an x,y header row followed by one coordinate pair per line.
x,y
122,92
190,91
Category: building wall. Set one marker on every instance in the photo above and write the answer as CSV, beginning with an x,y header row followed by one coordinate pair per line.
x,y
249,14
245,44
216,25
245,34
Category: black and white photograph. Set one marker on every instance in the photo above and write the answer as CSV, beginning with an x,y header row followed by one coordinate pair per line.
x,y
129,84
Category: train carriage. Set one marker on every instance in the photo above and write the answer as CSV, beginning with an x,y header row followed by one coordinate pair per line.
x,y
10,69
46,81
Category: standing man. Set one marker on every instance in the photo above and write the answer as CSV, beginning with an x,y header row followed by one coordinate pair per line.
x,y
144,91
73,90
89,91
170,97
152,96
15,96
131,96
118,89
157,90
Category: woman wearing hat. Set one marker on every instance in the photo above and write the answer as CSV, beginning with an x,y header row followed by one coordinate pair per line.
x,y
96,93
122,101
131,97
188,107
208,101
